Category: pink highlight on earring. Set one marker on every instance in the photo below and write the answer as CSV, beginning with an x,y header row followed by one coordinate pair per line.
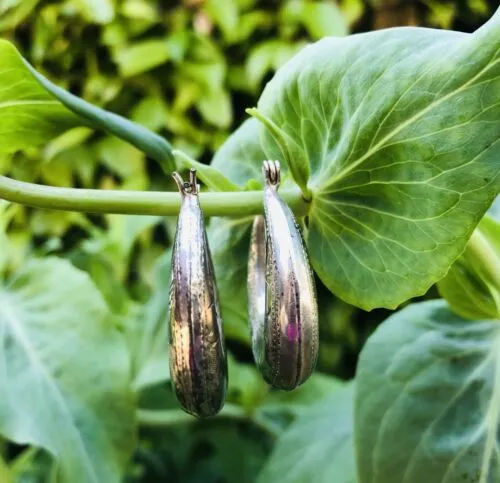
x,y
292,331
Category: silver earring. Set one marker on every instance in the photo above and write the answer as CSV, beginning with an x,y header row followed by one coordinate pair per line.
x,y
198,363
283,308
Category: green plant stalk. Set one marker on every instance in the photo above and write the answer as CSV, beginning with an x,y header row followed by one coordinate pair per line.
x,y
484,257
242,203
143,139
174,417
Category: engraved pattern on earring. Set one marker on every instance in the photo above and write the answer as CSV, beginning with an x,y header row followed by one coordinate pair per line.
x,y
283,308
198,363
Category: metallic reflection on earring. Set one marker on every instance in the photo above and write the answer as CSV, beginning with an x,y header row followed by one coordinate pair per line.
x,y
283,308
198,363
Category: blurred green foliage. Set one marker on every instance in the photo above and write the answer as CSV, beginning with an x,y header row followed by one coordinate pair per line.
x,y
186,70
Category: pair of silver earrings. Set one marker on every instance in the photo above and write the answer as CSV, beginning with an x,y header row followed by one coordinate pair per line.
x,y
282,302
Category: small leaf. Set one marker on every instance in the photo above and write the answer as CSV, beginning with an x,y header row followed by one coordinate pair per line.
x,y
320,18
352,10
98,11
268,56
15,15
140,10
324,18
142,56
479,7
151,112
225,16
318,446
120,157
240,157
427,399
251,21
441,13
65,373
215,107
67,140
209,175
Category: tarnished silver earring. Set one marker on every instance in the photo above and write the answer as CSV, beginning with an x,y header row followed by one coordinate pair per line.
x,y
198,363
283,308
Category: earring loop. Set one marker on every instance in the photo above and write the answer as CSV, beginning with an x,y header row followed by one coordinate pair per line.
x,y
283,309
198,363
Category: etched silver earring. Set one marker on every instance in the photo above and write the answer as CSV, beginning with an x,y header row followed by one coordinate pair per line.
x,y
198,363
283,308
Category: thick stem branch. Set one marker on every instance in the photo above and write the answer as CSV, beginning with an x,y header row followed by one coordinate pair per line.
x,y
240,203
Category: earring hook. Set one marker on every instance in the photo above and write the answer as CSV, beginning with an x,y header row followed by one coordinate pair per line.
x,y
185,187
272,173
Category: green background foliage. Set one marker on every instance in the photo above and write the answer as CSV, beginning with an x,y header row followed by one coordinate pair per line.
x,y
83,300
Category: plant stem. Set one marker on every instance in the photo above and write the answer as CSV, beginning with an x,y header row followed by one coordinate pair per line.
x,y
485,260
485,255
174,417
143,139
241,203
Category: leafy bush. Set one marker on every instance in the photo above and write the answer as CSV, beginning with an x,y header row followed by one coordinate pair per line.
x,y
392,139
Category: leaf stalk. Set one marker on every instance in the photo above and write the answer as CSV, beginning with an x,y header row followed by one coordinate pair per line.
x,y
237,204
486,259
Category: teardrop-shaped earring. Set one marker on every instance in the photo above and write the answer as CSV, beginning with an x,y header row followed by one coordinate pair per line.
x,y
198,363
283,308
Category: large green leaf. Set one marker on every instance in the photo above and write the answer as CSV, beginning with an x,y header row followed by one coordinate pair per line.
x,y
428,399
472,286
396,134
65,372
318,446
30,115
